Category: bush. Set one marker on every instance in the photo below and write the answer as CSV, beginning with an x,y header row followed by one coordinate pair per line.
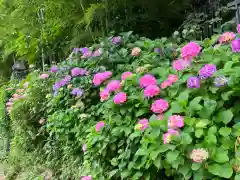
x,y
131,110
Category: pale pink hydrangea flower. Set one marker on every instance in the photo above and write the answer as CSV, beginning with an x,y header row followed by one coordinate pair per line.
x,y
125,75
136,51
142,124
147,80
84,147
104,95
86,178
160,117
199,155
159,106
44,76
16,96
42,121
20,90
113,86
226,37
180,64
26,84
151,90
167,137
10,89
99,126
172,78
190,50
99,78
175,121
120,98
165,84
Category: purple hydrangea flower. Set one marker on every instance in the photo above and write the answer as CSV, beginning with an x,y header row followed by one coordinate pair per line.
x,y
236,45
79,72
220,81
77,92
76,50
84,50
207,71
116,40
238,28
193,82
62,83
157,50
87,54
97,53
53,69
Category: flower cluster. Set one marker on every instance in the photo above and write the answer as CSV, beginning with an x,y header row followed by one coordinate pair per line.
x,y
207,71
116,40
226,37
220,81
99,78
159,106
142,124
180,64
172,78
125,75
61,83
77,92
120,98
53,69
199,155
167,137
236,45
175,121
147,80
113,86
44,76
136,51
104,95
193,82
86,178
99,126
79,72
15,97
190,50
151,91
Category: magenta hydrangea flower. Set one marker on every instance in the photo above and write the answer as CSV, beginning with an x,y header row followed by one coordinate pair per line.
x,y
79,72
226,37
207,71
120,98
159,106
99,126
193,82
236,45
44,76
165,84
116,40
151,91
86,178
180,64
175,121
113,86
172,78
190,50
53,69
167,137
147,80
104,95
99,78
125,75
238,28
142,124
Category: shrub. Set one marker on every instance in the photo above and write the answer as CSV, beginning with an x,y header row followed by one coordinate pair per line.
x,y
114,111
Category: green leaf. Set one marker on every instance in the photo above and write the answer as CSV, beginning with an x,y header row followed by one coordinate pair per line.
x,y
225,131
112,173
224,116
172,156
141,112
198,175
194,104
237,177
224,171
183,98
202,123
186,139
196,166
142,152
184,169
221,156
199,133
158,162
176,107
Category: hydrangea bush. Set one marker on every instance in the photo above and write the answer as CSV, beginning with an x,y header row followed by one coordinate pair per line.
x,y
135,108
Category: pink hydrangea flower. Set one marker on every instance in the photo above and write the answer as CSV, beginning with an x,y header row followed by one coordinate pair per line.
x,y
86,178
190,50
151,90
159,106
104,95
160,117
125,75
44,76
84,147
199,155
9,103
26,84
226,37
172,78
147,80
142,124
165,84
42,121
99,126
180,64
120,98
175,121
16,96
136,51
113,86
99,78
167,137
